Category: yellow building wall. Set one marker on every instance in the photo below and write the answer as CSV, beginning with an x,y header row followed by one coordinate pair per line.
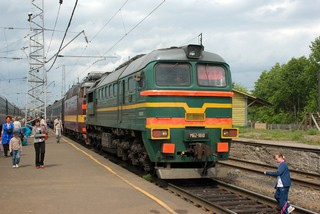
x,y
239,110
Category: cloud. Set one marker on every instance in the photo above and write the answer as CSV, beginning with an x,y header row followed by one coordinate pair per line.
x,y
251,35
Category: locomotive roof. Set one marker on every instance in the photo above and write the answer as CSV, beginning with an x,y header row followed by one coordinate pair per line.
x,y
169,54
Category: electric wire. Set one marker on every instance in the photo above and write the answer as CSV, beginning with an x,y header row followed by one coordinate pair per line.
x,y
55,24
109,20
65,34
189,40
126,34
25,28
124,27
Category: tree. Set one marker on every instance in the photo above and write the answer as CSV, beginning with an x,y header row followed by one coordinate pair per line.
x,y
239,87
292,88
315,50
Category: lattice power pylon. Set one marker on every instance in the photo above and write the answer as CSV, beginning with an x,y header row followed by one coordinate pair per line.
x,y
37,76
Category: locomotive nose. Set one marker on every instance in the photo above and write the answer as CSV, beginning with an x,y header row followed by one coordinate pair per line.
x,y
199,151
202,151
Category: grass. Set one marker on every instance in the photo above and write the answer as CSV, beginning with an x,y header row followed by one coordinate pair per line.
x,y
310,136
147,177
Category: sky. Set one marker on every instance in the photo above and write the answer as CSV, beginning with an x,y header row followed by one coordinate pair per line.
x,y
251,35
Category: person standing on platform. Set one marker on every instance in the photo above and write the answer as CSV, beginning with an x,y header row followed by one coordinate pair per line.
x,y
283,184
58,128
1,146
7,134
15,147
43,122
17,127
26,133
39,143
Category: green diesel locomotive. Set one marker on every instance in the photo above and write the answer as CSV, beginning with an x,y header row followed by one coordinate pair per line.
x,y
169,111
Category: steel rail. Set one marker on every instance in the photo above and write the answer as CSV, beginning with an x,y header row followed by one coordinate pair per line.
x,y
198,201
220,197
309,183
260,143
262,198
274,167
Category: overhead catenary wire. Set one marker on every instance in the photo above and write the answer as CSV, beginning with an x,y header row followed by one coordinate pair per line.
x,y
124,27
109,20
94,37
25,28
61,48
134,27
14,58
126,34
65,34
55,24
99,31
12,79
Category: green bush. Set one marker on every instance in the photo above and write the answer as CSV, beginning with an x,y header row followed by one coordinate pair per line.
x,y
147,177
312,132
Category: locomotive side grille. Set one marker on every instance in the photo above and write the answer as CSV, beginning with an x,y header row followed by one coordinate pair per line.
x,y
195,116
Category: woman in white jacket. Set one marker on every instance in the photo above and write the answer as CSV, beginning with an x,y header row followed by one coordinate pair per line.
x,y
38,133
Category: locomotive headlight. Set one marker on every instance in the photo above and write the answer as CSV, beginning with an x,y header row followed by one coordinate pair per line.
x,y
160,134
193,51
229,133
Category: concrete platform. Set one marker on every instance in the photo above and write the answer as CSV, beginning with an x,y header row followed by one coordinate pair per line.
x,y
77,180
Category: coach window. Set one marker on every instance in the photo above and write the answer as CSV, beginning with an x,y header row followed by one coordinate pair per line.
x,y
142,80
131,84
115,89
211,75
90,97
173,74
106,92
110,91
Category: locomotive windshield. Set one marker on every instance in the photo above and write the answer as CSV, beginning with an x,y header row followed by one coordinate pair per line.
x,y
211,75
173,74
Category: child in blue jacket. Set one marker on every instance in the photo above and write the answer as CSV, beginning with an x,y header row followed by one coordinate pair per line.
x,y
283,184
26,133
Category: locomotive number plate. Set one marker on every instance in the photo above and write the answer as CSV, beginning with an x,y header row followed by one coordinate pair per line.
x,y
193,135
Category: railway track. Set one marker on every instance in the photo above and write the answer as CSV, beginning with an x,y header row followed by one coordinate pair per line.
x,y
296,146
219,197
303,178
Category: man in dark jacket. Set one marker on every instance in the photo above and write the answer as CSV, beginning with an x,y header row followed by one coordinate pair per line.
x,y
283,184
